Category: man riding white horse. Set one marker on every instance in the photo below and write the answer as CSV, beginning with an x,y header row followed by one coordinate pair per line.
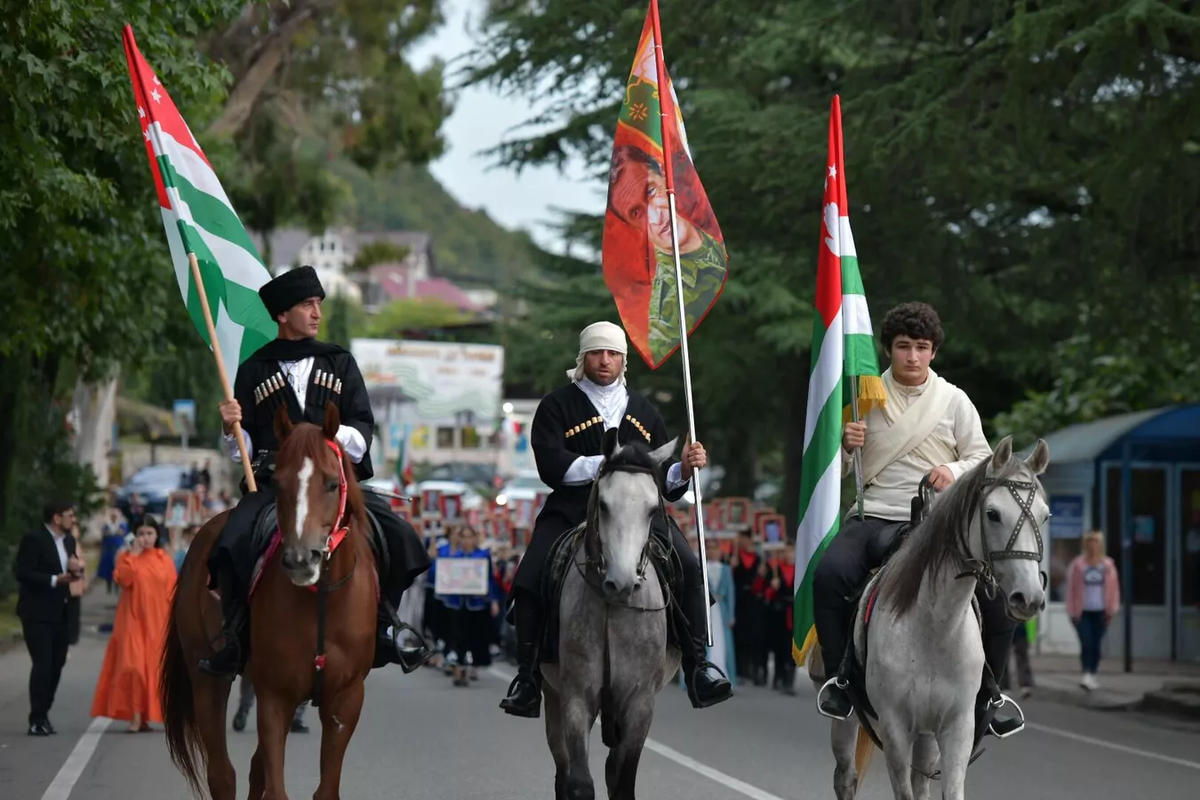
x,y
928,429
301,374
567,437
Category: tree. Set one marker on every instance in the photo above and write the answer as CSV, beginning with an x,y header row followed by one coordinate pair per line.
x,y
86,279
337,66
1029,169
87,282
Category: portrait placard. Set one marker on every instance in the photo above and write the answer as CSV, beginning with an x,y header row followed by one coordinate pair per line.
x,y
461,576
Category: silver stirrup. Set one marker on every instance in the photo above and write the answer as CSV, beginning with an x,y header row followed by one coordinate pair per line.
x,y
842,684
1006,700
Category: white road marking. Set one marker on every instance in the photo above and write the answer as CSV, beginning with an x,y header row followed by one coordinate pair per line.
x,y
1120,748
60,788
671,754
306,472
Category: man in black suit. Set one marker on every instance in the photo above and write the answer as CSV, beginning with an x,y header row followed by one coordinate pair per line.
x,y
46,566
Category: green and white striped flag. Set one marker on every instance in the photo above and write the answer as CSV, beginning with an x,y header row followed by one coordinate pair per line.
x,y
843,347
199,220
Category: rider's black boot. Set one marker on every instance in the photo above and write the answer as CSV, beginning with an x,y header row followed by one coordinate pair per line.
x,y
525,693
1001,727
393,647
227,661
706,685
997,650
833,699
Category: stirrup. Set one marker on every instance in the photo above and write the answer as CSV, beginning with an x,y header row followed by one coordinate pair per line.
x,y
1003,701
840,683
421,652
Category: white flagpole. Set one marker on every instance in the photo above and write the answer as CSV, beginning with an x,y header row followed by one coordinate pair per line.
x,y
669,174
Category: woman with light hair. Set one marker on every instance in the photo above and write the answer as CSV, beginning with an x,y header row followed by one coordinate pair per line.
x,y
1093,599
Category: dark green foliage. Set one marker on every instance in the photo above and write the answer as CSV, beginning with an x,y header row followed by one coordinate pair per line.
x,y
1030,169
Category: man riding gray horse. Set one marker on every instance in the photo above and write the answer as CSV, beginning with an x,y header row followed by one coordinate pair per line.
x,y
299,373
928,428
567,437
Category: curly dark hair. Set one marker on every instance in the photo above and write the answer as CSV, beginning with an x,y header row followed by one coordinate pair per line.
x,y
914,320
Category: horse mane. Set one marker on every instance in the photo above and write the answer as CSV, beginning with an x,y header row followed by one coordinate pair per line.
x,y
936,542
634,457
307,439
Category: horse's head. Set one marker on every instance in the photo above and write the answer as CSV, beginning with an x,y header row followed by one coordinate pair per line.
x,y
625,500
1009,521
317,493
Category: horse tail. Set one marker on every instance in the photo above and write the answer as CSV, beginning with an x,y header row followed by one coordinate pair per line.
x,y
184,744
864,748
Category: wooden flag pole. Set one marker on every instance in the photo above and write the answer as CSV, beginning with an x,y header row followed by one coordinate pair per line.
x,y
216,349
669,174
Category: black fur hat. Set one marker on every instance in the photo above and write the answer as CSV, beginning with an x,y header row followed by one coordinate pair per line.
x,y
289,289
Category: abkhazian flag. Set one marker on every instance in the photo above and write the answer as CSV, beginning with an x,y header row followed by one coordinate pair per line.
x,y
843,347
199,219
636,252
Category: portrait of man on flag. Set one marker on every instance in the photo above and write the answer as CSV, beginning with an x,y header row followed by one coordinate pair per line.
x,y
639,262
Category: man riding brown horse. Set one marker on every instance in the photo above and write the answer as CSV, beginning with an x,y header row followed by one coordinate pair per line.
x,y
299,373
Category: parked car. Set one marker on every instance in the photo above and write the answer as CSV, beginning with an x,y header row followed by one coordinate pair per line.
x,y
152,484
526,486
479,475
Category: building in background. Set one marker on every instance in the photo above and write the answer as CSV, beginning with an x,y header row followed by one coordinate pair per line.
x,y
447,396
333,253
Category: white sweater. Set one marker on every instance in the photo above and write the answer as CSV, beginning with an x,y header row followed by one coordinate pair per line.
x,y
890,495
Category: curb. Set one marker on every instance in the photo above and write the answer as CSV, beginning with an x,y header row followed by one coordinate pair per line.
x,y
1185,704
1095,701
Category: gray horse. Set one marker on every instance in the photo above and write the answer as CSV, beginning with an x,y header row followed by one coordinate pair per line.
x,y
613,656
924,648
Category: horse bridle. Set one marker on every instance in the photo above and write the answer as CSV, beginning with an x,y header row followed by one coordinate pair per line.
x,y
594,561
341,523
983,568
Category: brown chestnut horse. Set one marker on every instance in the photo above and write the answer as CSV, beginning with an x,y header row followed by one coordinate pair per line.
x,y
312,624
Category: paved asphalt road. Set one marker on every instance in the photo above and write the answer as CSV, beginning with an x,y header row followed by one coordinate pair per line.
x,y
422,739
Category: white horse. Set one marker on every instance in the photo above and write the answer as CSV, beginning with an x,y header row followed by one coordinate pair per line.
x,y
613,652
923,648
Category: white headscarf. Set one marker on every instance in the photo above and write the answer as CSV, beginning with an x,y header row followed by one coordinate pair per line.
x,y
600,336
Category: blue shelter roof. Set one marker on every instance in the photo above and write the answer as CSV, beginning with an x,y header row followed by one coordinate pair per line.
x,y
1171,427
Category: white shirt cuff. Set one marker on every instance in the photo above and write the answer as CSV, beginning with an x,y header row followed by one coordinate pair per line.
x,y
352,441
231,447
53,581
675,477
582,470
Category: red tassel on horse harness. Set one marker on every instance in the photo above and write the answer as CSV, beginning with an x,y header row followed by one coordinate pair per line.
x,y
319,662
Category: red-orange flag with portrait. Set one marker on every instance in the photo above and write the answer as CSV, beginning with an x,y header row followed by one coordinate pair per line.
x,y
639,264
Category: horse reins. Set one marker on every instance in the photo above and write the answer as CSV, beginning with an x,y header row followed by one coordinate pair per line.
x,y
341,528
594,561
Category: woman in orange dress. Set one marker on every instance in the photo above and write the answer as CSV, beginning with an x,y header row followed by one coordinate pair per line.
x,y
128,685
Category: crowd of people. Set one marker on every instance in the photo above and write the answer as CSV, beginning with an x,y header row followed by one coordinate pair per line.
x,y
750,616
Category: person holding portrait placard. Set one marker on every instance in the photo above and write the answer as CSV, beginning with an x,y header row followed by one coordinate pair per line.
x,y
471,614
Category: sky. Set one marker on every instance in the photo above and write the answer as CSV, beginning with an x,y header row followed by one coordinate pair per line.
x,y
482,119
